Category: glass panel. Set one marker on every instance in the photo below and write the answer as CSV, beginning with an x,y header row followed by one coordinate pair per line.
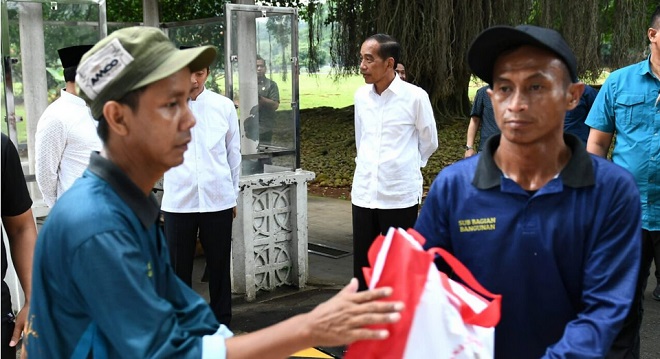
x,y
211,33
269,136
64,24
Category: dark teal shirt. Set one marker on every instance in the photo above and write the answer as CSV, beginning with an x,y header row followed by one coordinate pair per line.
x,y
101,258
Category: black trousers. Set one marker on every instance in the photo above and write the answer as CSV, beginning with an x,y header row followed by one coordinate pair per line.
x,y
626,344
214,229
368,224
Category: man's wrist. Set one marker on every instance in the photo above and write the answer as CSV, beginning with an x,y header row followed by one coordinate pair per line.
x,y
468,147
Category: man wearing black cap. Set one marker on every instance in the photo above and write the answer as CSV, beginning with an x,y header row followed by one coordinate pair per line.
x,y
66,134
536,218
102,282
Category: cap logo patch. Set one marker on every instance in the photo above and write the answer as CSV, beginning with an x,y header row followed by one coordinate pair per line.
x,y
102,67
103,71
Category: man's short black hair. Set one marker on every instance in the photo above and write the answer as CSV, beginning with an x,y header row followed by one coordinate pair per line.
x,y
70,74
389,47
655,19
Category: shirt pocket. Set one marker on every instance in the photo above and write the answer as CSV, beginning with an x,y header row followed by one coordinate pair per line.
x,y
215,133
629,108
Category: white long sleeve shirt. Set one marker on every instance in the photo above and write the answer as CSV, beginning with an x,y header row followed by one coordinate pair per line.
x,y
395,134
207,180
65,138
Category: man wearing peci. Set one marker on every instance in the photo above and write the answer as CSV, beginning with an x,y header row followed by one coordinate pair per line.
x,y
66,134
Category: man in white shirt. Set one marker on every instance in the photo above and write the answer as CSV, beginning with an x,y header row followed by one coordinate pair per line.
x,y
395,134
66,134
199,196
401,71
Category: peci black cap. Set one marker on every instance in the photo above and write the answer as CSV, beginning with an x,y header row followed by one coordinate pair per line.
x,y
70,56
492,42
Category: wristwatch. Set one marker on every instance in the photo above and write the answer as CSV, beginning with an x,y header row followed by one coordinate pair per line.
x,y
469,147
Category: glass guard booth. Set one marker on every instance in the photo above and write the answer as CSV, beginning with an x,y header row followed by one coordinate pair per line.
x,y
266,97
261,57
258,67
32,77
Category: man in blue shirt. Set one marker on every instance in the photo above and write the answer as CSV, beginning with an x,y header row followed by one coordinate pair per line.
x,y
102,281
481,116
534,216
574,120
627,104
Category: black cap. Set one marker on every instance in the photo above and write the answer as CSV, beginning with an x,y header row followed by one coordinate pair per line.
x,y
70,56
490,44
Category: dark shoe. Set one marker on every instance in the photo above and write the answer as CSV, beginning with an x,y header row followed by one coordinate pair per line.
x,y
656,293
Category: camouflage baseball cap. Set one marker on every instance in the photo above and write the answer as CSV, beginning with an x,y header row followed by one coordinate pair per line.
x,y
131,58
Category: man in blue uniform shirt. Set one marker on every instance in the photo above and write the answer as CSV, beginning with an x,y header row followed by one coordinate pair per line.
x,y
536,218
574,120
102,281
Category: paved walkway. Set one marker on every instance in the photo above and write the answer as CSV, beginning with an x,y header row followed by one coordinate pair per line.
x,y
330,224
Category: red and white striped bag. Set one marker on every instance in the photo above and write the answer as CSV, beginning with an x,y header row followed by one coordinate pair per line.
x,y
442,318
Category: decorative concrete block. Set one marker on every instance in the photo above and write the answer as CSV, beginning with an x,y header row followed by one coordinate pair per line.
x,y
269,247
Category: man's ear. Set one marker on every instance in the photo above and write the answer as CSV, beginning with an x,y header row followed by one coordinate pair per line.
x,y
573,95
652,34
116,115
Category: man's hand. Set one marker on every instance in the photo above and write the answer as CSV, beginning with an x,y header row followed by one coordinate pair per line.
x,y
19,328
342,319
469,153
268,103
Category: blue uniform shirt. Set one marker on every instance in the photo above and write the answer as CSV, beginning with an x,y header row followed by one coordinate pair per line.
x,y
627,104
101,266
574,120
565,258
483,108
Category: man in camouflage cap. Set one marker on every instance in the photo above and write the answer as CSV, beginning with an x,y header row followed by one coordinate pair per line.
x,y
102,283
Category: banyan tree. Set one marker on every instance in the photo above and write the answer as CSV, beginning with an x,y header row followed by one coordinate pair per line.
x,y
435,35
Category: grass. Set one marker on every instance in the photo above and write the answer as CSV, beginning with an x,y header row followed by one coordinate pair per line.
x,y
323,91
315,90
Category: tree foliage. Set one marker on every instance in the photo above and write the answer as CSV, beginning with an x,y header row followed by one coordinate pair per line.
x,y
436,34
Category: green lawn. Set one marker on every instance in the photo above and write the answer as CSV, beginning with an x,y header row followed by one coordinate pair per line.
x,y
321,90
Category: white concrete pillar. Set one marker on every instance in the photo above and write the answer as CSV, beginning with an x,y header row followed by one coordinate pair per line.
x,y
33,61
150,13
